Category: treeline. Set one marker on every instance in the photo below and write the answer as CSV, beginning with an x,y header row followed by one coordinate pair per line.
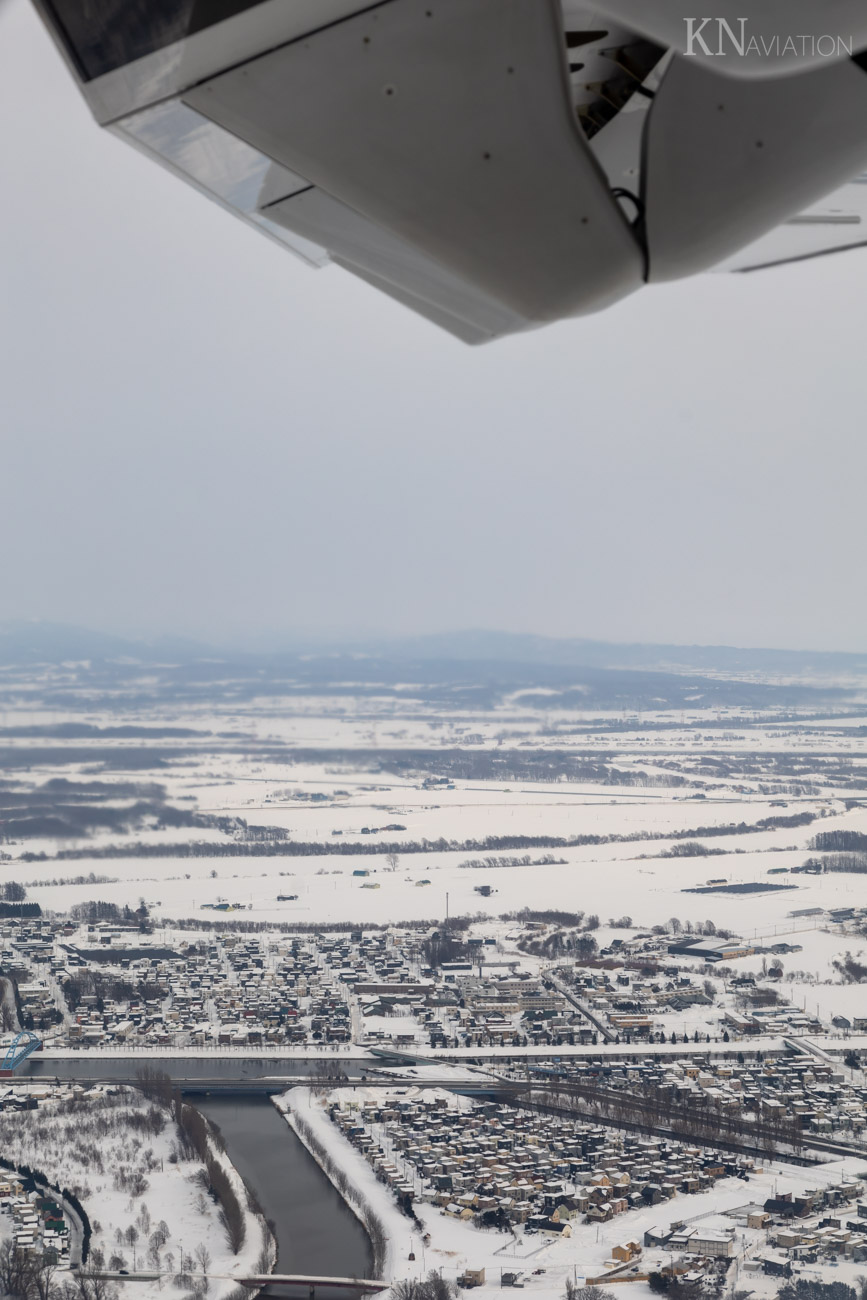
x,y
495,863
107,988
437,1287
329,848
87,983
301,927
550,916
96,909
848,862
839,842
744,887
517,765
690,849
373,1225
353,848
809,1289
90,879
196,1138
787,822
263,834
9,911
456,924
562,943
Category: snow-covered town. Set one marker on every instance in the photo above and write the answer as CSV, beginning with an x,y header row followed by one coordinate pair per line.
x,y
370,988
519,983
534,1179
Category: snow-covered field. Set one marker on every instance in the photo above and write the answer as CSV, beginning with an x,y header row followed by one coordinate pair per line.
x,y
610,880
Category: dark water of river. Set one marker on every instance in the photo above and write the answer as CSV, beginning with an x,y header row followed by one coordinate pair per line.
x,y
316,1232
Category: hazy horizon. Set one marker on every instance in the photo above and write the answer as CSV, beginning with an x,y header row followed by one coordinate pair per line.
x,y
496,644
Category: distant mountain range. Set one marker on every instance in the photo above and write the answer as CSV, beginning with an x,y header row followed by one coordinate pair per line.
x,y
577,652
465,670
24,643
56,643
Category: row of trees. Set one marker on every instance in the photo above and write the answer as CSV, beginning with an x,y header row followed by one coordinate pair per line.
x,y
198,1139
839,842
562,943
498,862
855,863
373,1225
107,987
96,909
19,910
808,1289
433,1287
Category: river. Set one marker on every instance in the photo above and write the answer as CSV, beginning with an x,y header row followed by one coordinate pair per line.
x,y
316,1231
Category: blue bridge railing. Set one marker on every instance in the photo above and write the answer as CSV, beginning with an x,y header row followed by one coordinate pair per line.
x,y
19,1049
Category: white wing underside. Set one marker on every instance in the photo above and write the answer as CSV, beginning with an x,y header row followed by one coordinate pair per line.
x,y
496,165
836,224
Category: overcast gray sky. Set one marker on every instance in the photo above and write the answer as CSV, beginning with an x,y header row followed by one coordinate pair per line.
x,y
201,435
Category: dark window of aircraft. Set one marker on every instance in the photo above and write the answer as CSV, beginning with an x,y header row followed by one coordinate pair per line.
x,y
106,34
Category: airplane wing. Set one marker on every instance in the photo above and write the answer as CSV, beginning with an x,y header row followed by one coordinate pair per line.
x,y
835,225
497,165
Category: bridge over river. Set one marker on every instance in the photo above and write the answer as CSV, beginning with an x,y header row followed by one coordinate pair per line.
x,y
290,1284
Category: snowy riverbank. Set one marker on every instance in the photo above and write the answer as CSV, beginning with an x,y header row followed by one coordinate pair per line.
x,y
303,1109
146,1200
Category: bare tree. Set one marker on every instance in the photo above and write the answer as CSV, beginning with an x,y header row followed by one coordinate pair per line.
x,y
42,1282
8,1010
203,1256
14,1271
406,1291
574,1292
91,1285
435,1287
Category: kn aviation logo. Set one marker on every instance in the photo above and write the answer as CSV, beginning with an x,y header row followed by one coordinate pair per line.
x,y
717,38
